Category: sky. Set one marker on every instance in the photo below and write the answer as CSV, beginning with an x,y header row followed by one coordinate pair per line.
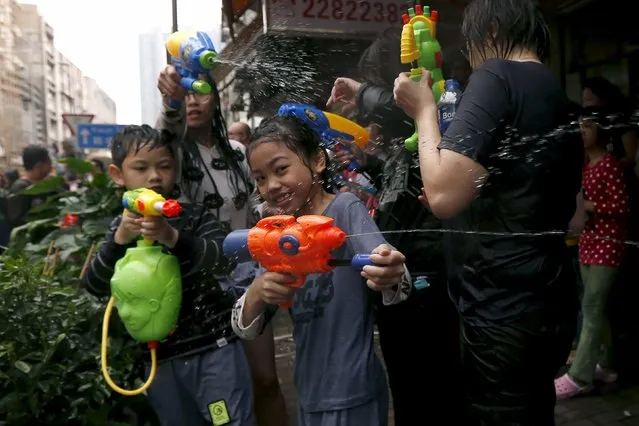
x,y
101,38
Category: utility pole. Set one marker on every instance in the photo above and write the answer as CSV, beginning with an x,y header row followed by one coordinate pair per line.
x,y
174,14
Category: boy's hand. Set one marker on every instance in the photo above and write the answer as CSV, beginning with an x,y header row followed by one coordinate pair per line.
x,y
129,228
158,229
389,270
274,288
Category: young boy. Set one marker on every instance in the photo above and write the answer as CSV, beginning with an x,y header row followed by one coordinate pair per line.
x,y
203,376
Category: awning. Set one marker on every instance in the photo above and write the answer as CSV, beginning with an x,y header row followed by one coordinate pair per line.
x,y
235,53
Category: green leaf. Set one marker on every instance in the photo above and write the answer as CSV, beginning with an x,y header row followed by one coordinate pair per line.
x,y
22,366
50,184
76,165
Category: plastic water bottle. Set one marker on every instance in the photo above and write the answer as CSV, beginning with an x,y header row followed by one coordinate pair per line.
x,y
448,103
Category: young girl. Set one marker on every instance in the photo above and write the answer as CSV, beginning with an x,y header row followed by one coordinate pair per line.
x,y
601,250
339,379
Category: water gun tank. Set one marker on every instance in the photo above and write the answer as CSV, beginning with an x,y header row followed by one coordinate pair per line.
x,y
174,42
147,287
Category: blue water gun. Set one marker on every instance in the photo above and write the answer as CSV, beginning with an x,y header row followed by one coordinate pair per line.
x,y
192,54
332,128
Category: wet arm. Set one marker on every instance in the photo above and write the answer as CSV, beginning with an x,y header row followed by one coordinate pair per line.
x,y
454,165
370,237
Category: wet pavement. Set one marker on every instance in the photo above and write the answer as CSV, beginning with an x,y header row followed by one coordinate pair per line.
x,y
611,406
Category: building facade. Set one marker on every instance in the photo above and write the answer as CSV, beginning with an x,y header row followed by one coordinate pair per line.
x,y
97,102
152,62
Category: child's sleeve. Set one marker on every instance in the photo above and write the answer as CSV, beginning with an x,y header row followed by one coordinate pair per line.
x,y
256,327
364,236
97,279
201,248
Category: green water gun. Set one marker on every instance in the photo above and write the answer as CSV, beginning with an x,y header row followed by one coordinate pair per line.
x,y
146,287
420,48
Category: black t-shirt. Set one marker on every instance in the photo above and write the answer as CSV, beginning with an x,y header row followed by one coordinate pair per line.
x,y
513,119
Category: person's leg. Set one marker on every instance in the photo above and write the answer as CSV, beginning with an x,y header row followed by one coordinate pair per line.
x,y
425,383
170,400
270,406
595,324
219,383
510,368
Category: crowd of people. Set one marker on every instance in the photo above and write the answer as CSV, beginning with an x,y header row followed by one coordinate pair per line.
x,y
523,206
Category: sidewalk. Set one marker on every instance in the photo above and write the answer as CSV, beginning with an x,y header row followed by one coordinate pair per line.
x,y
614,406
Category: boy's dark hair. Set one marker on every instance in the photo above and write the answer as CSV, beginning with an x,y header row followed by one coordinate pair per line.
x,y
505,25
134,138
33,155
297,136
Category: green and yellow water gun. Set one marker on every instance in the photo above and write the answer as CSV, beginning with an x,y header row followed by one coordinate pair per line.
x,y
420,48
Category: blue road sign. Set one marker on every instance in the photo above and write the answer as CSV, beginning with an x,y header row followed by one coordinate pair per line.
x,y
97,136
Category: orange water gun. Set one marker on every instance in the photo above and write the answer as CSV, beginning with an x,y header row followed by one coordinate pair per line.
x,y
298,247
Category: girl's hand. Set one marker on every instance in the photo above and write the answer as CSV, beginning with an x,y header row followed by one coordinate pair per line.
x,y
158,229
169,84
414,96
389,269
275,288
589,206
344,90
129,228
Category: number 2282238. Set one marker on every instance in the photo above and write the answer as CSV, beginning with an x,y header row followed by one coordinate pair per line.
x,y
352,10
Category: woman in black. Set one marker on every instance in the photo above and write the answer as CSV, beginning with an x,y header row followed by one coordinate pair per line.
x,y
505,177
419,338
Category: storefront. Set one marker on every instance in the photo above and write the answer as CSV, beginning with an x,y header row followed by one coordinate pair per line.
x,y
600,39
294,49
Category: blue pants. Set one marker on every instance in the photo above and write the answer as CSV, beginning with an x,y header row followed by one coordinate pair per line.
x,y
210,388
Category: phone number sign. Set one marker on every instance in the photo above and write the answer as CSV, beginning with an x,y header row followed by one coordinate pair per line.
x,y
360,18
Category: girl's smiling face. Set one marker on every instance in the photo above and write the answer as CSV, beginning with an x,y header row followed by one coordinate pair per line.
x,y
284,180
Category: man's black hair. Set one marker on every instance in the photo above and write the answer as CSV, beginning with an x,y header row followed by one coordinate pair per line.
x,y
33,155
134,138
504,26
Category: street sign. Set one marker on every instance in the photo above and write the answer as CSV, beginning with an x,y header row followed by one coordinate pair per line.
x,y
359,18
97,136
72,121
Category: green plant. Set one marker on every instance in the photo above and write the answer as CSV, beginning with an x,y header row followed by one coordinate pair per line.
x,y
50,339
95,204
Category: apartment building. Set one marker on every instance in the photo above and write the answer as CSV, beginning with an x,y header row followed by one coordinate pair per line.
x,y
96,101
42,84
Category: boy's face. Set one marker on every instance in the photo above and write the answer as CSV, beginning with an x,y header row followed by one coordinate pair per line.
x,y
152,169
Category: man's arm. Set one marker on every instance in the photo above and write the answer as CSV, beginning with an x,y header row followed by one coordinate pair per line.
x,y
97,280
201,249
454,166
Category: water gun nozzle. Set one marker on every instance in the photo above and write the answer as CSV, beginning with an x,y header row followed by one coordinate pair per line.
x,y
171,208
202,87
207,59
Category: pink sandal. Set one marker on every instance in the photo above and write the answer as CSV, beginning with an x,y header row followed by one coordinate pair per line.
x,y
565,388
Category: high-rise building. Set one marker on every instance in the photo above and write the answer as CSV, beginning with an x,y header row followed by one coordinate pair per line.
x,y
37,51
152,62
97,102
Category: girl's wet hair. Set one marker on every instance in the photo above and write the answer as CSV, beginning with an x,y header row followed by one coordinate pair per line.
x,y
503,26
298,137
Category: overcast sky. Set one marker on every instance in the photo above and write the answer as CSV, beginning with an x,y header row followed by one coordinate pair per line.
x,y
101,38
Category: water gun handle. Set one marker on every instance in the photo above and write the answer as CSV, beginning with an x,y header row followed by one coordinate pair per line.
x,y
353,165
361,260
301,279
